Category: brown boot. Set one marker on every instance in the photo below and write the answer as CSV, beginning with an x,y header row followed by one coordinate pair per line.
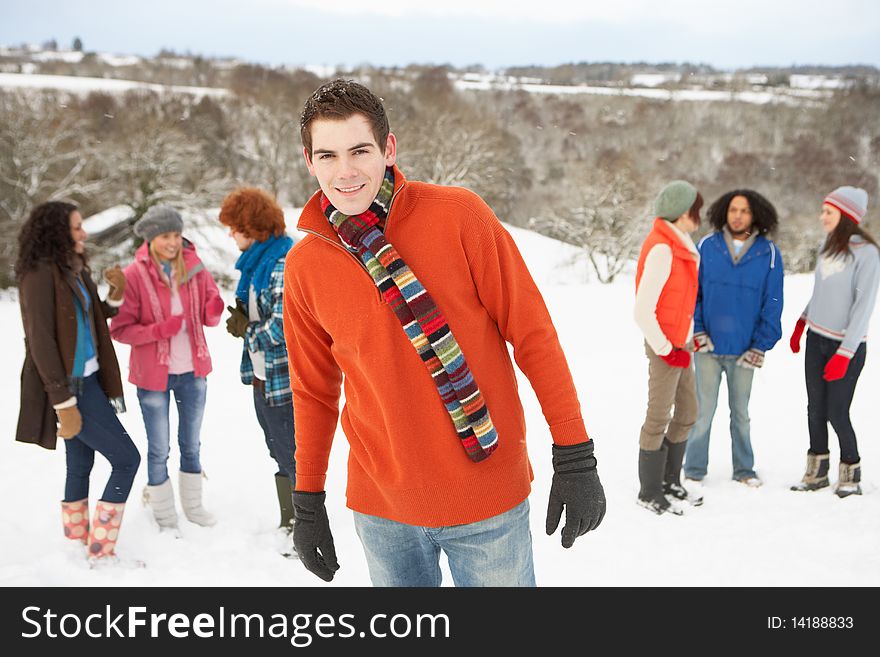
x,y
848,481
816,476
75,516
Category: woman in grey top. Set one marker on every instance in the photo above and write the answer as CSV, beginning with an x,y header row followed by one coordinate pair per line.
x,y
844,292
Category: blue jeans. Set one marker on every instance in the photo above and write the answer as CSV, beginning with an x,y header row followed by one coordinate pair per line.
x,y
189,396
709,368
492,552
278,429
101,432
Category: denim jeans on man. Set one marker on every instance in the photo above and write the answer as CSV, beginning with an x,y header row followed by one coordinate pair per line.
x,y
492,552
101,432
278,429
709,368
189,396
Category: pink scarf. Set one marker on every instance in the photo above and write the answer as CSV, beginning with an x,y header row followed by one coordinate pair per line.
x,y
195,306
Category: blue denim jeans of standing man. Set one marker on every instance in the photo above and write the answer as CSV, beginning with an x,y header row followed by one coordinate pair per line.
x,y
492,552
709,368
278,429
101,432
189,397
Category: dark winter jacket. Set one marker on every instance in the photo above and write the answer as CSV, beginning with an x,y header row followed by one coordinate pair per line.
x,y
48,313
739,304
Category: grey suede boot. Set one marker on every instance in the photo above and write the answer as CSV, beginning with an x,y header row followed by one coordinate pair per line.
x,y
285,502
161,501
652,467
191,499
848,481
816,476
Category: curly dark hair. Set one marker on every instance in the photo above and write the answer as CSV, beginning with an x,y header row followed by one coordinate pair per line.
x,y
45,235
764,217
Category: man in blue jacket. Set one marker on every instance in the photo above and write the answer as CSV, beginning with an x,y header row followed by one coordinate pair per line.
x,y
736,320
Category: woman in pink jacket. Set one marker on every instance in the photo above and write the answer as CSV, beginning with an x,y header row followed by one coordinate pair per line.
x,y
169,298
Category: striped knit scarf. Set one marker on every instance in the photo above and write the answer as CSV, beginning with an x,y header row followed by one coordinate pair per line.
x,y
422,321
195,308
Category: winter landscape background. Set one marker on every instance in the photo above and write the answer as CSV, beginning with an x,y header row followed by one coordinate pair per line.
x,y
740,537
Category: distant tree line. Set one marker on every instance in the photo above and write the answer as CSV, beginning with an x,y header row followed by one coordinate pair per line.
x,y
581,168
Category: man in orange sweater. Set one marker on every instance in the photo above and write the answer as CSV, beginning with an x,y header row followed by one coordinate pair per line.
x,y
407,293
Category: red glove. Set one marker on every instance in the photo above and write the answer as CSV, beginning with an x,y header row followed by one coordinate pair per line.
x,y
795,341
677,358
214,308
168,328
836,368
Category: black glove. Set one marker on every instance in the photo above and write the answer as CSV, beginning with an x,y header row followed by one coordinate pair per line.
x,y
311,533
238,321
575,486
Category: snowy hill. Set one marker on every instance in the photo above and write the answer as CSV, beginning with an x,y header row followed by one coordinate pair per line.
x,y
762,537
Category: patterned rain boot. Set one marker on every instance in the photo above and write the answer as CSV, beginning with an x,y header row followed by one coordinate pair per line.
x,y
105,529
75,516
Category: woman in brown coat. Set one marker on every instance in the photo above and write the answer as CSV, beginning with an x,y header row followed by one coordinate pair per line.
x,y
70,370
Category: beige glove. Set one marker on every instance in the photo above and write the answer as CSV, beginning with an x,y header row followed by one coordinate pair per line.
x,y
116,279
70,422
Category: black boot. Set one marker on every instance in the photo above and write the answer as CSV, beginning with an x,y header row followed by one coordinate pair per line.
x,y
284,488
672,474
652,467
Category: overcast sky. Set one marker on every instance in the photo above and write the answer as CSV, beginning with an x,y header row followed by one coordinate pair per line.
x,y
495,33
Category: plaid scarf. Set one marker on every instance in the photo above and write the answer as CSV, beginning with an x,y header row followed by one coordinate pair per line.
x,y
422,321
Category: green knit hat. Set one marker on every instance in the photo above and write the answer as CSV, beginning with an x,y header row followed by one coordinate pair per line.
x,y
675,199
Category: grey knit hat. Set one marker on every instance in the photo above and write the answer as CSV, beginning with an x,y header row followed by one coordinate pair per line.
x,y
675,199
157,220
851,201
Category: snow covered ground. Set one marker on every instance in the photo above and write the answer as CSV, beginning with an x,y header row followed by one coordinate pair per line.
x,y
485,82
762,537
85,85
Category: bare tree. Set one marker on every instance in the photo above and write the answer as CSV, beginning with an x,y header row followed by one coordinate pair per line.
x,y
603,224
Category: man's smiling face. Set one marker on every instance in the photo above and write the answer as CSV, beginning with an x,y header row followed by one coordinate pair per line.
x,y
347,161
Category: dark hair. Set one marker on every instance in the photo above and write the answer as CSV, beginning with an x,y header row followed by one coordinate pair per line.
x,y
694,211
253,213
837,242
764,217
339,100
45,234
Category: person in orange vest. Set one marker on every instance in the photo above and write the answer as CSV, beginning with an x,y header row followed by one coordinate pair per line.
x,y
666,294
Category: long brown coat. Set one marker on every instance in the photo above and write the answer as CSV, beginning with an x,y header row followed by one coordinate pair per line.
x,y
46,297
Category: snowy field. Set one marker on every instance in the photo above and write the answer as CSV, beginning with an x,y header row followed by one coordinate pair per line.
x,y
739,537
758,95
